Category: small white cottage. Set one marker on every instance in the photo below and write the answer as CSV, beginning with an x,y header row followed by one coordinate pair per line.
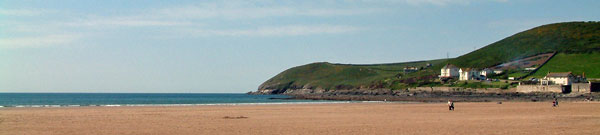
x,y
559,78
468,74
449,71
485,72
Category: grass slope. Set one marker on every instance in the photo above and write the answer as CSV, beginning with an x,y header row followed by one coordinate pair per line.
x,y
570,37
576,63
338,76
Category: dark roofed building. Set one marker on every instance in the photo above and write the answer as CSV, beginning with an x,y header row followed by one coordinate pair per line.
x,y
449,66
561,78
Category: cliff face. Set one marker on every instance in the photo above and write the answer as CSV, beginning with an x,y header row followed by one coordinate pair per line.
x,y
325,92
290,91
381,91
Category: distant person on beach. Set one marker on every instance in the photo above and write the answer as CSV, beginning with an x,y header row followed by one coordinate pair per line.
x,y
555,103
450,105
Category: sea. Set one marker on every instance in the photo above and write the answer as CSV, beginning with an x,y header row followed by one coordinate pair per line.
x,y
143,99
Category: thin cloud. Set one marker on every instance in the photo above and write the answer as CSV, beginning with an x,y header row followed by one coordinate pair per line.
x,y
430,2
438,2
241,11
37,41
193,19
124,21
291,30
340,12
24,12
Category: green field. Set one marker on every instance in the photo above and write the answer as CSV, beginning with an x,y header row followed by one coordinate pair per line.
x,y
570,37
576,63
518,74
339,76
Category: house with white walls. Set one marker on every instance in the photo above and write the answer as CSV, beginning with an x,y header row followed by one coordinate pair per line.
x,y
559,78
486,72
449,71
469,74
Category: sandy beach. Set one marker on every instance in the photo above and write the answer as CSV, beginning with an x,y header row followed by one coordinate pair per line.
x,y
347,118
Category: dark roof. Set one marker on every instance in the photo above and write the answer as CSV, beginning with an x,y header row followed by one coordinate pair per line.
x,y
559,74
449,66
469,69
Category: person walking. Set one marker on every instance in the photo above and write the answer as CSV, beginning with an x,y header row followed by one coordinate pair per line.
x,y
450,105
555,102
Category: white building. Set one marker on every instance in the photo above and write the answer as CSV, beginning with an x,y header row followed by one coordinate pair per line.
x,y
449,71
530,68
468,74
561,78
485,72
498,71
410,69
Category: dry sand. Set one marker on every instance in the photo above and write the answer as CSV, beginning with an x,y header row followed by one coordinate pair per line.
x,y
353,118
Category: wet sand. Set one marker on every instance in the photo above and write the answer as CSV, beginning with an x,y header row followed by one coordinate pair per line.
x,y
352,118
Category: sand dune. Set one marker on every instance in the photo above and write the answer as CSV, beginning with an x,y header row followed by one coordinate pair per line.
x,y
353,118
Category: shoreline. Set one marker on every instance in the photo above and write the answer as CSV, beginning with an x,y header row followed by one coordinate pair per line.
x,y
200,105
401,97
425,96
279,103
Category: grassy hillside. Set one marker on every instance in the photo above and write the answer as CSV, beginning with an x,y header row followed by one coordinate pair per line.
x,y
576,63
338,76
577,45
571,37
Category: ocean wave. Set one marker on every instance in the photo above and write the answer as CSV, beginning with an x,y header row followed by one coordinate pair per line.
x,y
206,104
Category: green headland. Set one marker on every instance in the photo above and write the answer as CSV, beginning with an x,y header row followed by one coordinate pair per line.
x,y
576,46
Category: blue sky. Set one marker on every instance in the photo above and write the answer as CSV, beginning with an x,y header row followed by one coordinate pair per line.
x,y
233,46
